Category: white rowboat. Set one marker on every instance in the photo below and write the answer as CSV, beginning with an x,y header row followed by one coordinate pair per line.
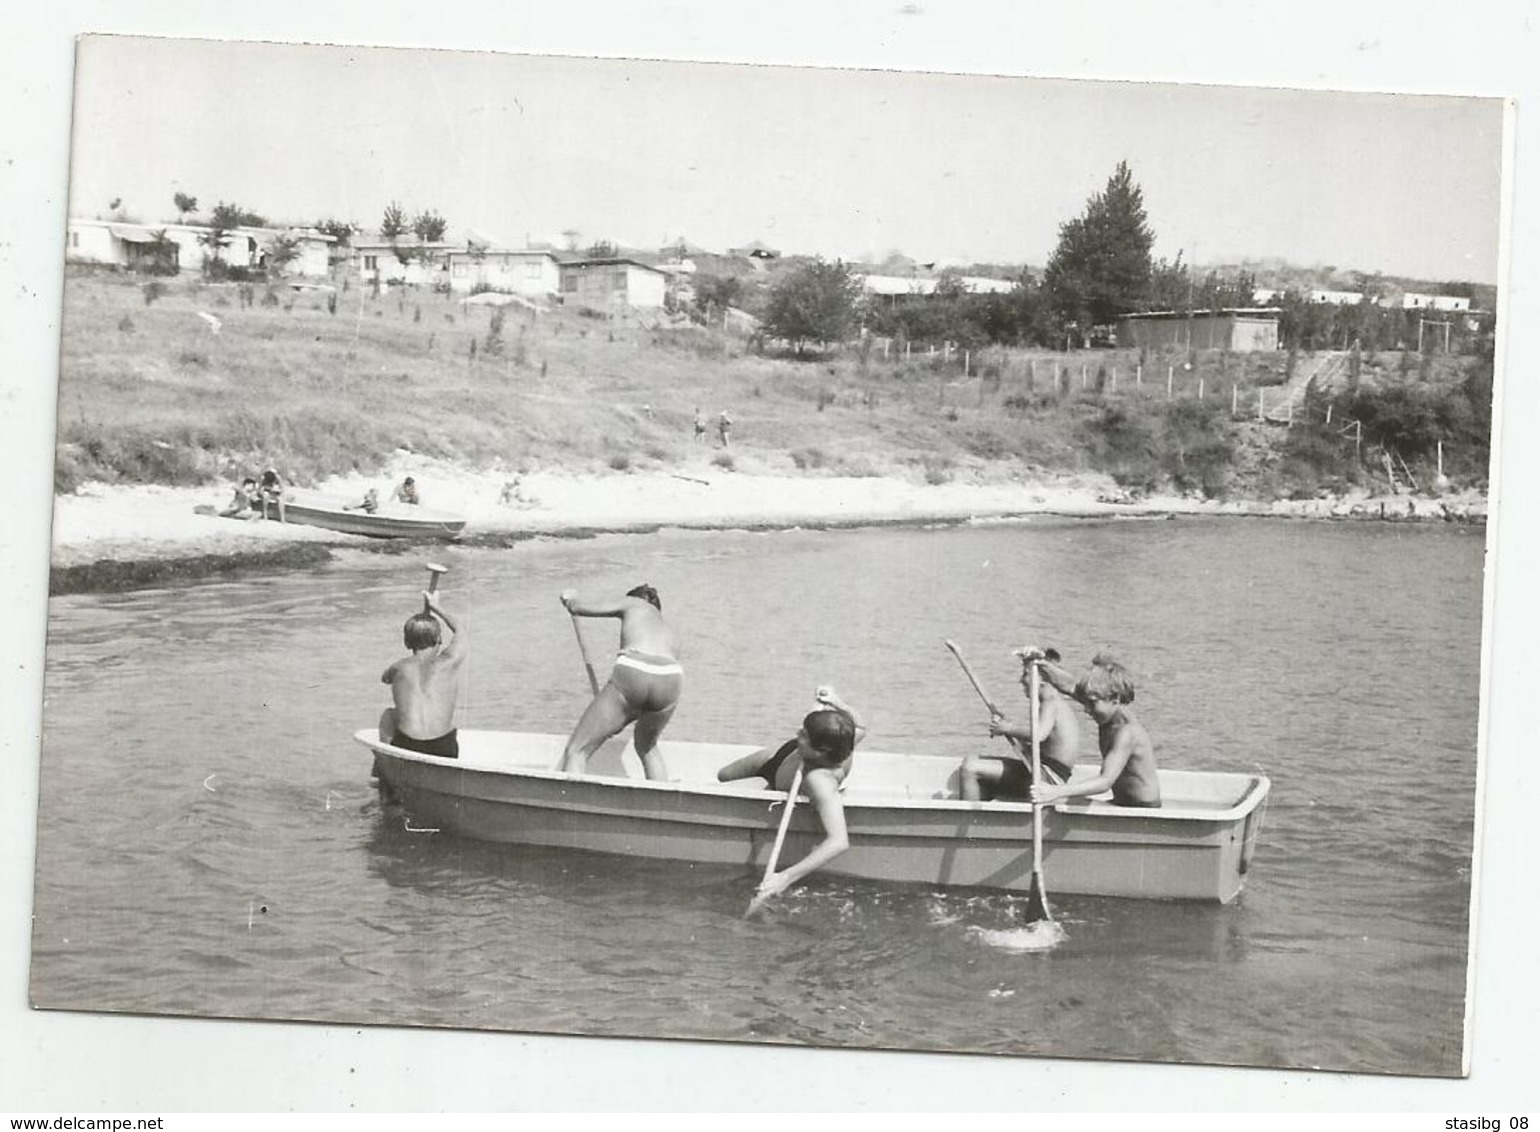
x,y
906,821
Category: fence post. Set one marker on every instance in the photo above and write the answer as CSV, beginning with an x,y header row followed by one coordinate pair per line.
x,y
1139,374
1200,389
1114,378
1261,404
1328,414
1170,374
967,363
1235,394
1083,379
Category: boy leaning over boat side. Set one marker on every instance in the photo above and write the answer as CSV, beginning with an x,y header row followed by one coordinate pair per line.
x,y
824,748
425,686
1128,757
1010,777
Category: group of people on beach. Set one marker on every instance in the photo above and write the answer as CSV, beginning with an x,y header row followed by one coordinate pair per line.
x,y
724,428
406,492
254,498
647,678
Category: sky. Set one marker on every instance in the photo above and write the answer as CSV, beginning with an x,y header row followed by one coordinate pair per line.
x,y
843,163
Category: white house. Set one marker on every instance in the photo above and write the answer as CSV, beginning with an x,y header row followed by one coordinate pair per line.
x,y
1412,301
893,286
523,272
407,260
608,283
132,246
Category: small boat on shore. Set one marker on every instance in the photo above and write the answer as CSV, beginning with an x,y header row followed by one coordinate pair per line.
x,y
388,520
906,821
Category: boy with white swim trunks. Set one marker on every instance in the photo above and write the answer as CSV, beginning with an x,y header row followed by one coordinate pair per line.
x,y
643,687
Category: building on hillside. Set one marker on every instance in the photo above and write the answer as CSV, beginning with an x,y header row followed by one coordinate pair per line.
x,y
406,260
133,247
756,249
523,272
1339,298
1412,301
605,284
1241,329
897,287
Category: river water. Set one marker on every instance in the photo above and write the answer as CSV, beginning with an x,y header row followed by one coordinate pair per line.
x,y
210,842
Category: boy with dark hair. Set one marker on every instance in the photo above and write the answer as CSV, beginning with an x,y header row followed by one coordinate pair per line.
x,y
1128,757
425,686
643,687
824,751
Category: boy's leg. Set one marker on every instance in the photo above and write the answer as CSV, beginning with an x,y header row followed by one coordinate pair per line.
x,y
977,772
648,728
387,725
606,715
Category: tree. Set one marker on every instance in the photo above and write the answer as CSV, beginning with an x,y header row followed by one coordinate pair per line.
x,y
283,251
163,253
717,292
816,303
224,218
393,223
602,249
1101,267
429,226
570,236
339,230
185,206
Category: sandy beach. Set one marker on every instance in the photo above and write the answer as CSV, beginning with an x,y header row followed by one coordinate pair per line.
x,y
125,525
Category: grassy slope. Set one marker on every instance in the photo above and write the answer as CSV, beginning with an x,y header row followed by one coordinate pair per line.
x,y
149,393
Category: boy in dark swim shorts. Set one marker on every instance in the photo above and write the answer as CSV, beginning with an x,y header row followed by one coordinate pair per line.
x,y
425,686
824,750
644,684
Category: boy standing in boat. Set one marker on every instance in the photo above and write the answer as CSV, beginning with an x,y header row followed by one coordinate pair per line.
x,y
1010,777
824,750
425,686
644,683
1128,757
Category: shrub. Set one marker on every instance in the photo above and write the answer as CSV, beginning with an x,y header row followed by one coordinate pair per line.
x,y
1123,445
620,462
126,325
193,358
153,290
806,458
723,460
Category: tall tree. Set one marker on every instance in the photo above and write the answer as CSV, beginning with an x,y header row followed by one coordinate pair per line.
x,y
185,206
429,226
814,303
283,251
1101,268
393,224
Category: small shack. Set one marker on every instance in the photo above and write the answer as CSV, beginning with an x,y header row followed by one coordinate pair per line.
x,y
1243,330
612,282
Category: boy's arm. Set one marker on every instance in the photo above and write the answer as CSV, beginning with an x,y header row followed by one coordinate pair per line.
x,y
822,788
389,675
577,608
827,696
1062,679
455,649
1113,763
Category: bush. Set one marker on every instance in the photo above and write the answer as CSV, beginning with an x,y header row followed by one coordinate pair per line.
x,y
1197,450
724,460
620,462
153,290
809,458
1123,445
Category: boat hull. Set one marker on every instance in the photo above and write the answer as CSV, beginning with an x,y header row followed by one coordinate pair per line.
x,y
390,521
903,825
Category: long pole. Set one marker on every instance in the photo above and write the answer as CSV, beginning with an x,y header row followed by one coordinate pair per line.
x,y
1170,376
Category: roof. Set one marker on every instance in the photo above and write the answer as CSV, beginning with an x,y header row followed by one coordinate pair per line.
x,y
1248,312
610,261
488,253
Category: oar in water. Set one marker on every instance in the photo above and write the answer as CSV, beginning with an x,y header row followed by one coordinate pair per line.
x,y
435,571
761,900
1037,895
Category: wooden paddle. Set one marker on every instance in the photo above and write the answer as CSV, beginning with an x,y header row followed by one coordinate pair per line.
x,y
780,839
588,665
994,711
435,571
1037,894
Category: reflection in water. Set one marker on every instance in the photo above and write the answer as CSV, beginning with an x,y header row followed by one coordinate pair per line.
x,y
197,768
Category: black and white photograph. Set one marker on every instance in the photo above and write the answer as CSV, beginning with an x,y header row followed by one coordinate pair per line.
x,y
771,555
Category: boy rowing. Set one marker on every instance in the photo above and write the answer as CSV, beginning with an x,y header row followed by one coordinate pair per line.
x,y
1011,776
1128,757
425,686
644,683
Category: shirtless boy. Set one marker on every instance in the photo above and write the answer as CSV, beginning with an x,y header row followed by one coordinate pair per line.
x,y
1128,756
824,749
425,686
644,683
1009,777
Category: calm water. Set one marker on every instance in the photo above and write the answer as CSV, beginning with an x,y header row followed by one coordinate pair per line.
x,y
210,842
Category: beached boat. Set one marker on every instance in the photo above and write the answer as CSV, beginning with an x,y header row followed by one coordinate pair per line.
x,y
906,821
389,520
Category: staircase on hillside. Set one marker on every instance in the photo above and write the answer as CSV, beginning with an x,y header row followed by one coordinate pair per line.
x,y
1325,369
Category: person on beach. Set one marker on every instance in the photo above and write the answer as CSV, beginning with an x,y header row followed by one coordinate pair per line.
x,y
725,428
271,492
1128,757
407,491
700,426
243,503
425,686
985,777
644,683
824,749
370,502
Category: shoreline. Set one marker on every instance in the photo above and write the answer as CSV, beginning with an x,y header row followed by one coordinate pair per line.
x,y
114,537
